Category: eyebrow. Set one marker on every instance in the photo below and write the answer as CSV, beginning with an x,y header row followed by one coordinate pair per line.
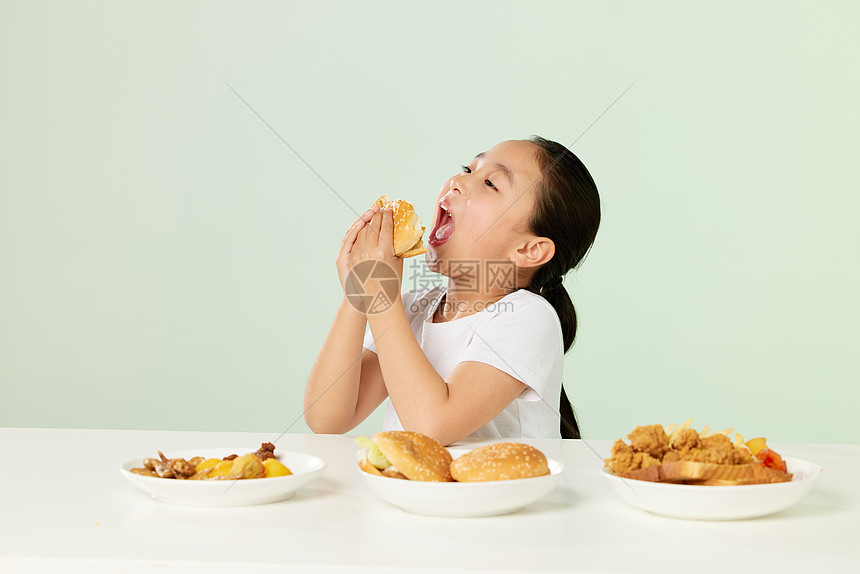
x,y
502,168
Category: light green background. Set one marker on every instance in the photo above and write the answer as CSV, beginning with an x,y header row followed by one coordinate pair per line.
x,y
168,262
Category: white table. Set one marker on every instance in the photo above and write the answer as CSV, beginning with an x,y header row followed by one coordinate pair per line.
x,y
64,507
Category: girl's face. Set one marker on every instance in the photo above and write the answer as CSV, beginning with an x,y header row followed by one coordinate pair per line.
x,y
482,212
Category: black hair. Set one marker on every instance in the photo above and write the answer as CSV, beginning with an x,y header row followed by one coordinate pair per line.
x,y
567,211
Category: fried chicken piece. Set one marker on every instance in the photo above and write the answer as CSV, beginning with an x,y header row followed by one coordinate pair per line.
x,y
715,449
623,458
686,439
742,456
716,441
672,456
619,447
645,460
651,439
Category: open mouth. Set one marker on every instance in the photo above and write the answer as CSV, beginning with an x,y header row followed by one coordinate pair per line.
x,y
444,228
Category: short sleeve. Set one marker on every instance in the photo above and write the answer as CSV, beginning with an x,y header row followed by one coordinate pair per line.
x,y
524,340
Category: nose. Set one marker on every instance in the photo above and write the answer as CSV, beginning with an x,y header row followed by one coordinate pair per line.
x,y
457,184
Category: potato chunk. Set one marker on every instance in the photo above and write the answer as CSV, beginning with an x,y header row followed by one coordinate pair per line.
x,y
275,468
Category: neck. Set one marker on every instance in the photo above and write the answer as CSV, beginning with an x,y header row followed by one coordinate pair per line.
x,y
464,300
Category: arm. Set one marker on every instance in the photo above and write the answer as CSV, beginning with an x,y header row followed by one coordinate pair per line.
x,y
345,383
424,401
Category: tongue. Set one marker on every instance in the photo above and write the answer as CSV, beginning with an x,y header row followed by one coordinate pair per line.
x,y
445,232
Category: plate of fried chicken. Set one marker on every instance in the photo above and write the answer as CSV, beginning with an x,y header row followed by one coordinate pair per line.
x,y
678,472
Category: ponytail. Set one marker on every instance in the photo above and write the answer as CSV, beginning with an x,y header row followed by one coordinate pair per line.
x,y
560,300
558,297
567,211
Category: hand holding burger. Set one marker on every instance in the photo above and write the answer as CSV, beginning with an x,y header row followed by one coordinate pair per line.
x,y
388,232
389,228
407,230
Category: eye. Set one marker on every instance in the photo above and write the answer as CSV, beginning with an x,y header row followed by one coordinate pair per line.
x,y
490,183
466,169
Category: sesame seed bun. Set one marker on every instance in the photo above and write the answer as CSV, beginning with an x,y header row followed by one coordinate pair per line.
x,y
416,456
408,232
500,461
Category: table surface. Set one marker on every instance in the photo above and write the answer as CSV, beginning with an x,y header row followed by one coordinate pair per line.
x,y
65,507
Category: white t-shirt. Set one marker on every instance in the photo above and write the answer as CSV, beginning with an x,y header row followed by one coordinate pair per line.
x,y
520,334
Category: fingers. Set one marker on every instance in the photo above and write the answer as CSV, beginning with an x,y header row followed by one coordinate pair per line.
x,y
387,230
380,231
368,215
359,224
375,228
371,237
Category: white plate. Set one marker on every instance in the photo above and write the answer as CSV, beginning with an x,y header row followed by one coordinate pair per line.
x,y
718,502
304,467
463,498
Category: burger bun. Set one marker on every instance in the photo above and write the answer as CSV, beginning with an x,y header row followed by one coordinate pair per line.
x,y
415,456
408,231
500,461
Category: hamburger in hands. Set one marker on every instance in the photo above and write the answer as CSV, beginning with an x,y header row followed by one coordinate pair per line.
x,y
408,232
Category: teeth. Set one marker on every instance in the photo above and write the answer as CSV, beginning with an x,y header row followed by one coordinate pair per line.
x,y
446,210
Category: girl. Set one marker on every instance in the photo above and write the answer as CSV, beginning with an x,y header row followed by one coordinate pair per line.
x,y
482,356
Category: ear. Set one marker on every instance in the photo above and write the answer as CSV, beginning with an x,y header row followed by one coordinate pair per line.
x,y
534,252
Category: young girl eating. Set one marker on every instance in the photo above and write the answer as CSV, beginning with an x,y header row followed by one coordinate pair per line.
x,y
482,356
